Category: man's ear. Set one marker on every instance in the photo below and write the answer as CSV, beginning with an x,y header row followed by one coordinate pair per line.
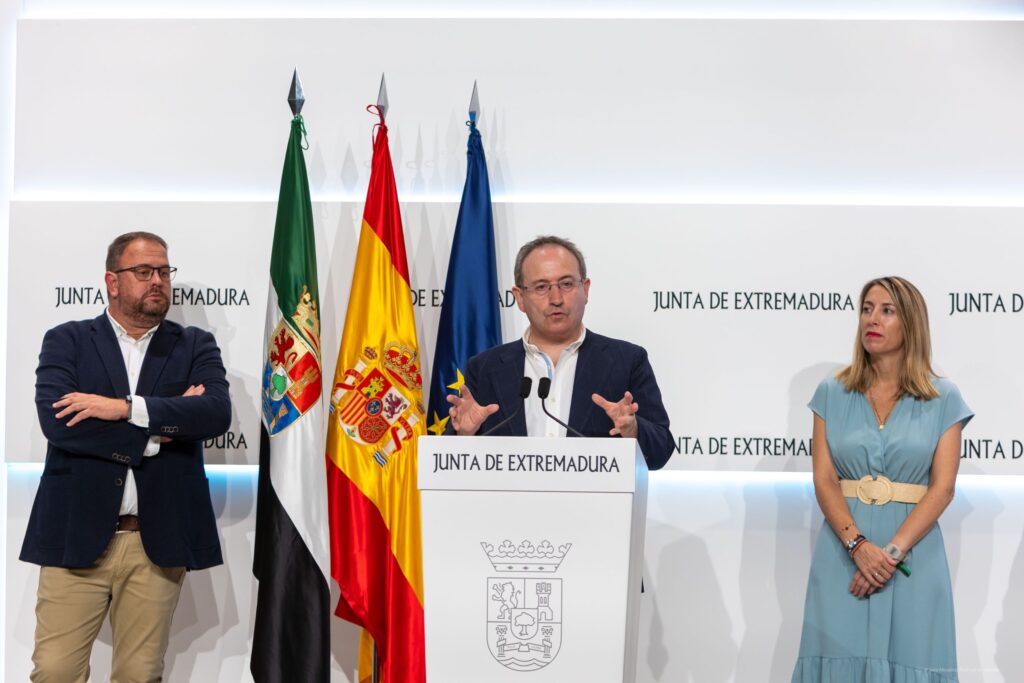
x,y
111,281
518,294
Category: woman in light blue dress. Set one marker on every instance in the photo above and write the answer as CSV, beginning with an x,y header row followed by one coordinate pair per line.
x,y
886,449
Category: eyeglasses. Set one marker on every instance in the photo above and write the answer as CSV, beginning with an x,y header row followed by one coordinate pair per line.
x,y
542,289
145,273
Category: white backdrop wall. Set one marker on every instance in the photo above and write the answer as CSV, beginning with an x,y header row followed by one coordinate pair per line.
x,y
732,181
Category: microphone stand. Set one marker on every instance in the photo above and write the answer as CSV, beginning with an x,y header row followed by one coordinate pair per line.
x,y
525,384
543,389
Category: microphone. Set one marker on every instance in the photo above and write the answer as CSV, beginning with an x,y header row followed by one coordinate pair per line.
x,y
525,384
543,389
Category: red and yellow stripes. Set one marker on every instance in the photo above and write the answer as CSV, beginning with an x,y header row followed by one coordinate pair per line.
x,y
373,499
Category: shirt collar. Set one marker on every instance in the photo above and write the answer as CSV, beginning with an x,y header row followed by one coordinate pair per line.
x,y
533,350
122,333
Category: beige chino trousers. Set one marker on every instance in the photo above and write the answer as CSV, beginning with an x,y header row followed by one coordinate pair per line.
x,y
72,603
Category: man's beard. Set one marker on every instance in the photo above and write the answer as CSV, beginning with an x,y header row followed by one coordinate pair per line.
x,y
147,311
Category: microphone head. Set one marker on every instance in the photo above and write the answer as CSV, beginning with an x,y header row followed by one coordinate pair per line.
x,y
543,388
525,384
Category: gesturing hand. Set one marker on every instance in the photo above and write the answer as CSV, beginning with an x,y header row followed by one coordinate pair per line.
x,y
85,406
622,414
467,415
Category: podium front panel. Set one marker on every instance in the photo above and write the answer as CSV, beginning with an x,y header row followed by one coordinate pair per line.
x,y
525,582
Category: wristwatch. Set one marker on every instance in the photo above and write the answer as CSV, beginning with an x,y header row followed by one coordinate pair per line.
x,y
128,400
852,543
893,551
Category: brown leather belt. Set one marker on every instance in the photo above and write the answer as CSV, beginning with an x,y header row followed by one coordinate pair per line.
x,y
128,523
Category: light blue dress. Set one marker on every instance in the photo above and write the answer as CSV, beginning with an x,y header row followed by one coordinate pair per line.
x,y
903,633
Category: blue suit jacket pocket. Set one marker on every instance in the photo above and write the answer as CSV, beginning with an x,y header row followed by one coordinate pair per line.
x,y
53,501
200,522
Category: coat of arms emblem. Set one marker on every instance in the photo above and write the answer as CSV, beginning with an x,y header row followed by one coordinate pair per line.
x,y
377,402
291,376
524,607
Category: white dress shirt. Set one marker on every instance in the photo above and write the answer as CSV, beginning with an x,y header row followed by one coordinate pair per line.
x,y
134,352
562,376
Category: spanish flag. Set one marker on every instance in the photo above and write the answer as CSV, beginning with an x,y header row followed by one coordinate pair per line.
x,y
376,416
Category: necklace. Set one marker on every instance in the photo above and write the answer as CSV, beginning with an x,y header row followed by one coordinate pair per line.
x,y
878,416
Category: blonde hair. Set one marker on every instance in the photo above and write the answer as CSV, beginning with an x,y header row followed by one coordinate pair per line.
x,y
916,370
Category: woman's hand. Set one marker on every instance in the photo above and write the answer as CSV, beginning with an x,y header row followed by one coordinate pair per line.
x,y
874,568
860,587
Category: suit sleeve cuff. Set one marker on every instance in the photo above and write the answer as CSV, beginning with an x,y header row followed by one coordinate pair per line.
x,y
152,447
140,414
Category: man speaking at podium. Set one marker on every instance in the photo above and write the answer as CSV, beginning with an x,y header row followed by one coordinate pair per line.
x,y
606,386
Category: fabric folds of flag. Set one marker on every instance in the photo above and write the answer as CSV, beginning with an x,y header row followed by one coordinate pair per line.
x,y
291,638
376,416
470,321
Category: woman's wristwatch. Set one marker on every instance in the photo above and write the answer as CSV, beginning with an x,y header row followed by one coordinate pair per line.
x,y
893,551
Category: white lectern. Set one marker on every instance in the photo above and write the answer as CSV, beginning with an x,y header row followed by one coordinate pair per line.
x,y
532,558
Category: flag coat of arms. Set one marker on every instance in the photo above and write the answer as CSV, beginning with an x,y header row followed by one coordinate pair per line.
x,y
376,415
291,636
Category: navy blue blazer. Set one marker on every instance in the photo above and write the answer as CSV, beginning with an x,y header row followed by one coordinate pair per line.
x,y
605,366
75,511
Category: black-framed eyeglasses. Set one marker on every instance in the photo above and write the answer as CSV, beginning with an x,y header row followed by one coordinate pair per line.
x,y
566,285
145,273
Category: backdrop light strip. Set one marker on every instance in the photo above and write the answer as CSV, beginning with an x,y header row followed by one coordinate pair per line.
x,y
36,469
782,11
810,199
662,477
703,477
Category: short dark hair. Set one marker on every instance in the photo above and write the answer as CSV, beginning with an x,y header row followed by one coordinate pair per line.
x,y
543,241
121,243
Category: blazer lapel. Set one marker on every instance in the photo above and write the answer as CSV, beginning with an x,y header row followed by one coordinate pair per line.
x,y
589,370
160,347
110,354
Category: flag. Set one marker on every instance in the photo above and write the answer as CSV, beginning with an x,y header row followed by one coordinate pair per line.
x,y
376,415
469,313
291,637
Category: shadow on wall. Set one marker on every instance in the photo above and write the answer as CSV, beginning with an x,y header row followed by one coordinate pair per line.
x,y
1009,653
344,641
705,652
779,530
969,613
237,446
208,607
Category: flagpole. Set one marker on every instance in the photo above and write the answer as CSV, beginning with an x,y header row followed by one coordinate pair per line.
x,y
382,108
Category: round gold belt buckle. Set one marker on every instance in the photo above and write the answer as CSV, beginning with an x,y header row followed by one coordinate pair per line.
x,y
874,491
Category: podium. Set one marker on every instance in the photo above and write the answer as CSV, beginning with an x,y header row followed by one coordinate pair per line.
x,y
532,558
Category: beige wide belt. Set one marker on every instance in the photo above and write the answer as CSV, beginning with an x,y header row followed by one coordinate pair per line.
x,y
881,490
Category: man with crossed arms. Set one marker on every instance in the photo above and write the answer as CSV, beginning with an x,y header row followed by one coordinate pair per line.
x,y
123,508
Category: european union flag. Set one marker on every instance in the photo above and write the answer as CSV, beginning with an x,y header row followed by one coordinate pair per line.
x,y
469,313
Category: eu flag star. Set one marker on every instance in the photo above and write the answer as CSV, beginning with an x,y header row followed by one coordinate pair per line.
x,y
459,381
438,427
